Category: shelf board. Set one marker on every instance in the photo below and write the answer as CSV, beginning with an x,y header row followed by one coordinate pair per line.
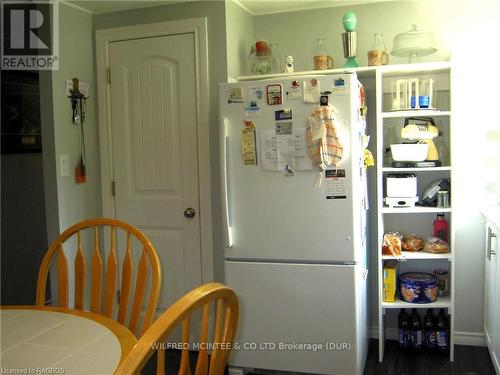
x,y
427,169
363,72
413,210
415,112
389,71
441,302
407,255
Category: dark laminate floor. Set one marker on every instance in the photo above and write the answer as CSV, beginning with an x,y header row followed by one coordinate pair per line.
x,y
469,360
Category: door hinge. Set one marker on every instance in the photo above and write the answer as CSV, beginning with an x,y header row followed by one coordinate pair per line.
x,y
108,75
113,191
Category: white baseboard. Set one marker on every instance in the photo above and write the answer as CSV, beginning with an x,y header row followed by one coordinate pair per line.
x,y
461,338
470,338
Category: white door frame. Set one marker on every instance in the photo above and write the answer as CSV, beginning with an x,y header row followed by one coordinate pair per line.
x,y
197,26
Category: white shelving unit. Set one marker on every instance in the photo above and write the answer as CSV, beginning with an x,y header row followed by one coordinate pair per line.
x,y
416,219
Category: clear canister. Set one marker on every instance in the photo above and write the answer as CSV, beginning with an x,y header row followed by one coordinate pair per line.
x,y
443,282
399,94
443,199
427,97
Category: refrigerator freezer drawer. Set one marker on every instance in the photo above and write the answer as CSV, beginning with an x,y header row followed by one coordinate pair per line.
x,y
298,317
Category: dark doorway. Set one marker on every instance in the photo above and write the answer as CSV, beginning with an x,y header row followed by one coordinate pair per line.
x,y
23,220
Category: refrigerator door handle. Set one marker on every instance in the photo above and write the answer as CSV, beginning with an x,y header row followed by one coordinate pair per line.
x,y
224,183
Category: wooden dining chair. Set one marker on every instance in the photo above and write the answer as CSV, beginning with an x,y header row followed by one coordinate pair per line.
x,y
113,294
209,298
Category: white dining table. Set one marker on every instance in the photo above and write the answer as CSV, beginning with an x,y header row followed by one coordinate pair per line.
x,y
54,340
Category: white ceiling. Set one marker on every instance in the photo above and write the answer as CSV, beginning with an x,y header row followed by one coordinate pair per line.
x,y
109,6
254,7
260,7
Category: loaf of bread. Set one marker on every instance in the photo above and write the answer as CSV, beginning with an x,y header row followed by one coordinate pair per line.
x,y
391,244
412,242
436,245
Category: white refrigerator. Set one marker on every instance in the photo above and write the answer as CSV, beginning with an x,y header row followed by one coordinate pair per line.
x,y
295,245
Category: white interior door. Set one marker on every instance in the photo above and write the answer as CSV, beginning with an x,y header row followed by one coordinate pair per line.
x,y
154,143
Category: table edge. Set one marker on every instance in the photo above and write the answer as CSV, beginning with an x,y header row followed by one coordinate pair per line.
x,y
126,338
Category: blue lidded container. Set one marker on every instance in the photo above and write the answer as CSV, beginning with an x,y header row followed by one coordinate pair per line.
x,y
423,101
418,287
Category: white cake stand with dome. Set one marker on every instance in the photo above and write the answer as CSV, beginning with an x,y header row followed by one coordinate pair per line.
x,y
413,44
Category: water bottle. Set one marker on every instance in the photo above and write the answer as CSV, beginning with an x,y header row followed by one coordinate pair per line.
x,y
442,336
429,331
415,330
403,327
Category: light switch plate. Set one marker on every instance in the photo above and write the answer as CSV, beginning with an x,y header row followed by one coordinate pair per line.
x,y
64,165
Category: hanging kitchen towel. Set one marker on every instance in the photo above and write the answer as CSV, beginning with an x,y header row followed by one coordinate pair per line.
x,y
324,147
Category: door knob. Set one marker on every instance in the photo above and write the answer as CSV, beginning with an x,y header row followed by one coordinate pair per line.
x,y
189,212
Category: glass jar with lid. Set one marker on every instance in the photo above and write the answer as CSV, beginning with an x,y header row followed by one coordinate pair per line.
x,y
378,54
260,58
322,59
378,42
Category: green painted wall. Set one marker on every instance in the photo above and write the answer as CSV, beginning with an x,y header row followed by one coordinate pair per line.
x,y
240,37
66,201
389,18
76,201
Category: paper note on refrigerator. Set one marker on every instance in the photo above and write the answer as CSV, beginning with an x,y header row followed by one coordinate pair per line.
x,y
269,151
302,160
255,99
249,144
279,152
335,184
286,151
